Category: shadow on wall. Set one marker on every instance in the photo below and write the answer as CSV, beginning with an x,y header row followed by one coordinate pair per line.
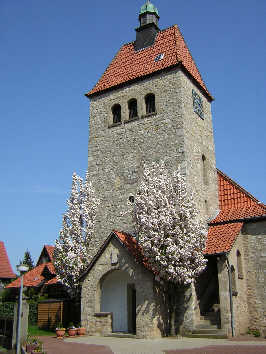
x,y
172,303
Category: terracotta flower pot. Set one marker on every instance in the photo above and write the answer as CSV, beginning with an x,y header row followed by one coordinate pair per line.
x,y
31,347
60,332
72,332
81,331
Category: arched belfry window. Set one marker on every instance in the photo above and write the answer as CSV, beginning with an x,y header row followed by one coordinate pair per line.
x,y
150,103
132,108
116,110
239,265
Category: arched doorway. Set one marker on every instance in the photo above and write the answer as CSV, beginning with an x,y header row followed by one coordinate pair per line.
x,y
119,297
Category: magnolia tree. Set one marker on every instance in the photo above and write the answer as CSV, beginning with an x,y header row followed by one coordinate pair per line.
x,y
168,226
72,246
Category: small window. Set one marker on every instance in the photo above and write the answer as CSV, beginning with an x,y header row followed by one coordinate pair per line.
x,y
197,104
150,103
206,207
133,108
159,57
131,199
233,278
116,110
239,265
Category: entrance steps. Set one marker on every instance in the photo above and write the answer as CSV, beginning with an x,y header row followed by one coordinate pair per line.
x,y
219,335
121,335
209,326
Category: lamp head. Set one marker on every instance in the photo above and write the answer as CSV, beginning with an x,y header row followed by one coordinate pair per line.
x,y
22,268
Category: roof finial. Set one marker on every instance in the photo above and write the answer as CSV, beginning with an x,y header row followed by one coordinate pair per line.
x,y
148,7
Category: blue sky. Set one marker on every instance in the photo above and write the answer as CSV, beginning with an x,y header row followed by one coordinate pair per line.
x,y
52,52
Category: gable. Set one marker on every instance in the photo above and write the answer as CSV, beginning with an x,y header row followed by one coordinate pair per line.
x,y
46,255
126,243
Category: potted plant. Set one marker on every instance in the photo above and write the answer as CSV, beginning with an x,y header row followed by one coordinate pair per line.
x,y
81,330
60,331
72,330
31,343
38,348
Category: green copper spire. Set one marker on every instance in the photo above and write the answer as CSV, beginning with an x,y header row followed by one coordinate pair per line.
x,y
148,7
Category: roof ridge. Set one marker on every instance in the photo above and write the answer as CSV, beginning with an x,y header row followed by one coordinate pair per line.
x,y
193,60
108,66
229,179
128,65
176,28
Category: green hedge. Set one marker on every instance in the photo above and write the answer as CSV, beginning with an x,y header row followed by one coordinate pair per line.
x,y
33,313
7,310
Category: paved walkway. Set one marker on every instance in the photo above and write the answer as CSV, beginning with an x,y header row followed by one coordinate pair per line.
x,y
170,345
52,345
109,345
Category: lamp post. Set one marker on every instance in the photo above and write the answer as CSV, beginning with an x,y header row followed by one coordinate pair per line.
x,y
22,268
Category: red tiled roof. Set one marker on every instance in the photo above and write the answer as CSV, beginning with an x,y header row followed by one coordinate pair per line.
x,y
5,267
232,195
131,244
52,281
235,204
222,237
129,64
34,277
231,214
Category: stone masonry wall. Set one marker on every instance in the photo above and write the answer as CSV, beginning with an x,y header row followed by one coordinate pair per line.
x,y
224,295
254,237
240,298
198,135
249,302
175,134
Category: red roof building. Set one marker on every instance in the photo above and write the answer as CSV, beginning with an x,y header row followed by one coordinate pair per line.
x,y
6,271
236,207
42,274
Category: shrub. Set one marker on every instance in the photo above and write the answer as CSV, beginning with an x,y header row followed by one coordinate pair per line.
x,y
254,331
33,312
7,310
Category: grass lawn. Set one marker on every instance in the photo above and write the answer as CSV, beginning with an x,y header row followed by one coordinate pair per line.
x,y
33,330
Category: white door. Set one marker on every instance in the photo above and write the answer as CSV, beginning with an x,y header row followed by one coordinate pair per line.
x,y
114,299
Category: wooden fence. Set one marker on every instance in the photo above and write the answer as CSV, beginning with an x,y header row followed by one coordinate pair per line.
x,y
53,312
50,313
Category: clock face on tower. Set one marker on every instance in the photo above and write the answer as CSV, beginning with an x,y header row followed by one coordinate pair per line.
x,y
197,104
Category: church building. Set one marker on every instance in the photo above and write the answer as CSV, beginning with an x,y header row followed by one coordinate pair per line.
x,y
150,105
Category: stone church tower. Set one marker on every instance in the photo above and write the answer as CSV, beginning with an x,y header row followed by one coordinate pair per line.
x,y
150,104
